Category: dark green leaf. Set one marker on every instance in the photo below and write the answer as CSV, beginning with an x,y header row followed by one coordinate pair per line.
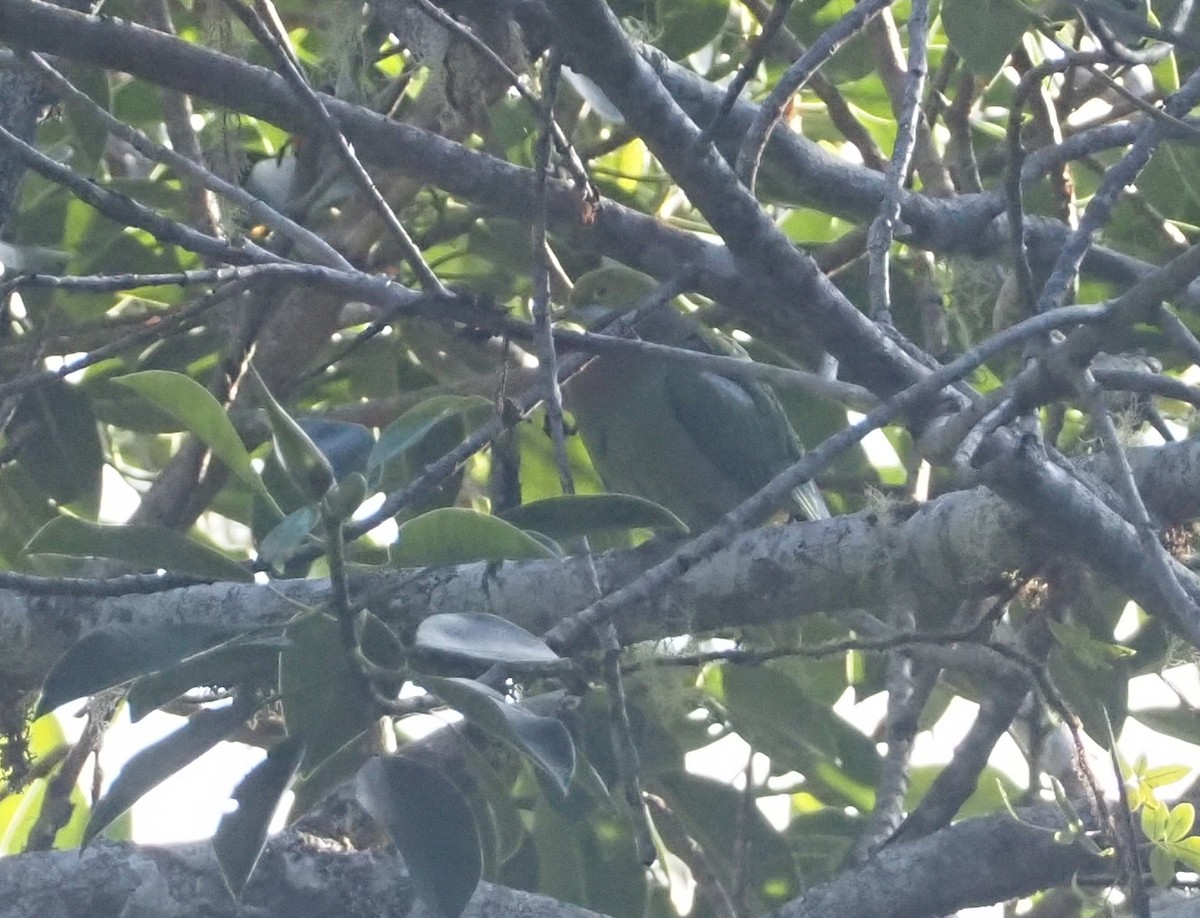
x,y
454,535
147,547
305,464
115,655
59,445
544,740
289,536
689,25
312,788
388,463
575,515
432,826
238,662
482,637
776,716
588,862
325,698
1097,695
1181,723
709,809
240,836
983,32
154,764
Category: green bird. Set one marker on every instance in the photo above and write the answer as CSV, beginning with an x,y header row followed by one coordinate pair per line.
x,y
697,443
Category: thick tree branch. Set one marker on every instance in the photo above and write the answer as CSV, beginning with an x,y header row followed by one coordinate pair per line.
x,y
293,878
977,862
962,545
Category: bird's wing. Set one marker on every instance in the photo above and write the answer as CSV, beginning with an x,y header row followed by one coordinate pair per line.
x,y
735,427
742,429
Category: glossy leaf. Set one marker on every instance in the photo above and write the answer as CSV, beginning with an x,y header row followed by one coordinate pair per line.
x,y
543,740
236,663
325,698
102,659
453,535
404,436
307,467
431,825
148,547
195,408
484,638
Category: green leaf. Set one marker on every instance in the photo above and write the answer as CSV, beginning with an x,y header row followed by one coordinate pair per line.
x,y
102,659
454,535
1181,723
195,408
1165,774
990,791
589,862
157,762
1180,821
984,32
543,740
484,638
307,467
324,696
1154,822
312,788
388,464
148,547
574,515
236,663
431,825
1162,867
240,835
1089,651
1098,695
776,715
708,810
289,536
689,25
59,445
23,510
1188,851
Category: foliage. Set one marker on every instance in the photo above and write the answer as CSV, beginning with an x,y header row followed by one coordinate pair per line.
x,y
340,398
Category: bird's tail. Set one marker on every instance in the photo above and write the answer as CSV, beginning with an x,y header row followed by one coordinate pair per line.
x,y
809,502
